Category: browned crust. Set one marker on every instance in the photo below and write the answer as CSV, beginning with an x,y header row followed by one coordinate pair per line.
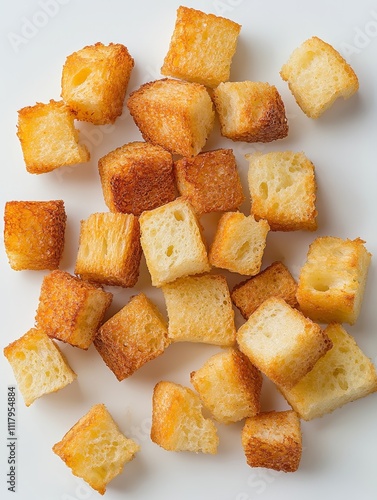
x,y
250,378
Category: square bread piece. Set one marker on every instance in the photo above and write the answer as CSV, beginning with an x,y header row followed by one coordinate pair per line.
x,y
332,280
342,375
200,310
283,190
109,249
71,310
94,82
229,386
317,75
172,242
38,365
210,181
239,243
49,138
274,281
282,342
173,114
250,111
178,423
273,440
133,336
136,177
95,449
34,234
201,47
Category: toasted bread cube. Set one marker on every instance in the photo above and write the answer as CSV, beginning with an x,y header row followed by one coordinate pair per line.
x,y
34,234
344,374
94,82
250,111
136,177
210,181
173,114
200,310
239,243
178,423
71,310
274,281
332,280
282,342
317,75
95,449
201,47
273,440
231,374
172,242
38,365
109,249
49,138
283,190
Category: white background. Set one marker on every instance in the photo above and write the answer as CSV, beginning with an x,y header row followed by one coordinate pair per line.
x,y
339,456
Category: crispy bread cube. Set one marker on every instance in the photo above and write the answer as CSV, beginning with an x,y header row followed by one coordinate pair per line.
x,y
250,111
229,386
282,342
136,177
283,190
49,138
274,281
109,249
332,280
239,243
177,420
173,114
210,181
95,449
94,82
34,234
133,336
200,310
317,75
342,375
71,310
172,242
273,440
201,47
38,365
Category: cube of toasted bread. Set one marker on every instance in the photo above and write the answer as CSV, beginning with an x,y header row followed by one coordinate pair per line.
x,y
49,138
109,249
239,243
95,449
173,114
177,420
94,82
38,365
133,336
342,375
201,47
274,281
71,310
283,190
34,234
317,75
229,386
282,342
273,440
332,280
250,111
172,242
200,310
210,181
136,177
